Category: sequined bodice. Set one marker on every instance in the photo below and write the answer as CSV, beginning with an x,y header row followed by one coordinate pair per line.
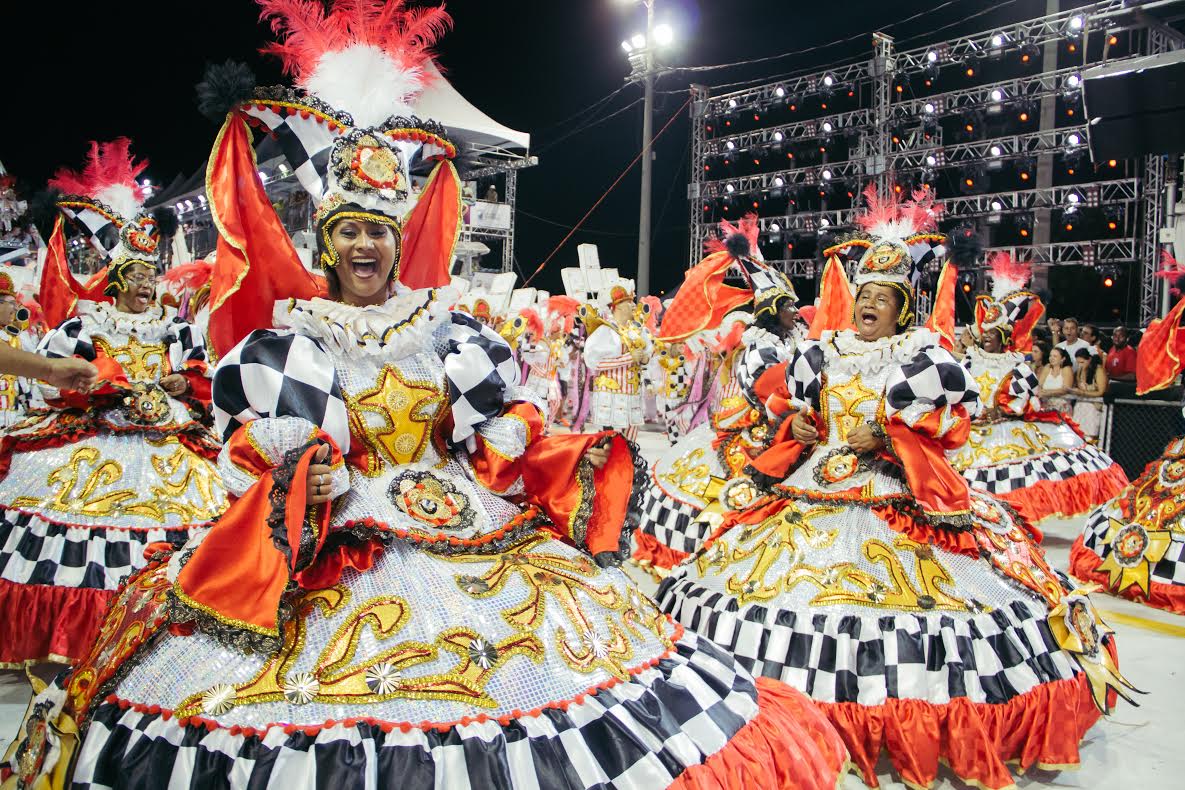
x,y
990,371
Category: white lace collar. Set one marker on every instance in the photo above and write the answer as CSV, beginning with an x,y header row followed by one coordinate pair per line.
x,y
111,320
985,359
400,326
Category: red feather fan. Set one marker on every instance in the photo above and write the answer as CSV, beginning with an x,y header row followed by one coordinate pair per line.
x,y
187,276
107,164
534,322
747,227
916,215
407,35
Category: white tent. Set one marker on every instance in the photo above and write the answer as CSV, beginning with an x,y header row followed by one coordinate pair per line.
x,y
441,102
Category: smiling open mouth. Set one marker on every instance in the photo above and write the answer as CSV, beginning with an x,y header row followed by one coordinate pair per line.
x,y
364,267
868,318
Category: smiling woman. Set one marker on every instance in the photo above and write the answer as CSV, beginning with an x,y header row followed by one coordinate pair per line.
x,y
878,306
364,256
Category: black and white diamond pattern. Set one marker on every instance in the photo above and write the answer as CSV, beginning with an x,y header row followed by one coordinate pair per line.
x,y
1052,467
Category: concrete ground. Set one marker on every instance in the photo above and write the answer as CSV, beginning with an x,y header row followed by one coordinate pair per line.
x,y
1135,748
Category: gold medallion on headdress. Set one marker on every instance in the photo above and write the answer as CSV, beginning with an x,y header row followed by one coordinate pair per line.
x,y
364,162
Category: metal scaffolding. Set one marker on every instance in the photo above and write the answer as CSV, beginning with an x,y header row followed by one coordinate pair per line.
x,y
885,129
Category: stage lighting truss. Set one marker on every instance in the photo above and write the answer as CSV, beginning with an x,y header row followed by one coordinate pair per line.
x,y
792,132
1119,251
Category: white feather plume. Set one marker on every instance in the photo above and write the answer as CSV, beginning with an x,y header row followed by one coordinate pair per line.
x,y
122,198
365,82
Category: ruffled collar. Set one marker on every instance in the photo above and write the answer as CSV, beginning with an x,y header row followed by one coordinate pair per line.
x,y
977,356
113,320
401,326
902,347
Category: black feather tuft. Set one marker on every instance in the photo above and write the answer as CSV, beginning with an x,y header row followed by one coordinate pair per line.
x,y
166,220
738,246
1178,286
43,211
222,87
964,246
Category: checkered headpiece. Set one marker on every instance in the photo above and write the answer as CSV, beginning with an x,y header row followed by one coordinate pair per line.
x,y
770,286
898,242
347,128
1010,309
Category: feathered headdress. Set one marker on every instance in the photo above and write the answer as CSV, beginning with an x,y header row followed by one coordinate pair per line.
x,y
563,309
1010,309
739,241
349,135
900,239
187,278
534,322
106,203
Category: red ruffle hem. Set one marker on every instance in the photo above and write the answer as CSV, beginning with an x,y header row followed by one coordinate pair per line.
x,y
1084,565
1073,496
761,756
1041,728
43,622
651,554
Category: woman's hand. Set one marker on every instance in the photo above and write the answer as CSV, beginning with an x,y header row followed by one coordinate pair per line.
x,y
174,384
863,440
317,490
803,429
597,455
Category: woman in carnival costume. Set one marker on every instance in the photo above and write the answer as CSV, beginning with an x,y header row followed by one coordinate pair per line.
x,y
100,476
15,391
1037,461
1134,545
405,592
917,613
689,478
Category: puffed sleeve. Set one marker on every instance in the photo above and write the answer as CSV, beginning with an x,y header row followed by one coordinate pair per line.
x,y
929,401
71,339
1020,395
804,376
277,401
804,384
761,370
187,356
603,351
480,370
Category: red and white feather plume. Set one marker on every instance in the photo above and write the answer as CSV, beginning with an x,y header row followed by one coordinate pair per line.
x,y
1008,274
371,58
109,175
534,322
894,218
187,277
747,227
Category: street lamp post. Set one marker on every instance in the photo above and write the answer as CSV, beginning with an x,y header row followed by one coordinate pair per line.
x,y
644,68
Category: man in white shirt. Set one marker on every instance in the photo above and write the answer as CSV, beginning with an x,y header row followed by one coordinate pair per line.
x,y
1073,342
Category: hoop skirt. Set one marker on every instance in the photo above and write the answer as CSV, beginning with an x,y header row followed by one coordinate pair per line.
x,y
91,484
1134,545
919,616
1037,461
444,624
689,477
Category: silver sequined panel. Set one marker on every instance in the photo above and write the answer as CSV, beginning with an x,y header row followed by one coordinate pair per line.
x,y
121,480
439,594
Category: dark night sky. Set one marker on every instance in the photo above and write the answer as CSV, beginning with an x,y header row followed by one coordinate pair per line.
x,y
129,68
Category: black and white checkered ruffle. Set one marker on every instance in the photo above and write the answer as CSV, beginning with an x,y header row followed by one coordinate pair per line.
x,y
637,735
36,551
668,519
990,643
1051,467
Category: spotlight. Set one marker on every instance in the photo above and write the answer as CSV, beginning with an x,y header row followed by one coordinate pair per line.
x,y
828,127
729,188
997,95
997,206
828,80
996,150
826,175
1073,81
969,66
779,181
1029,53
1024,225
1077,23
1073,198
1073,140
732,104
931,57
730,145
1108,281
1113,217
928,108
930,74
627,46
779,137
931,160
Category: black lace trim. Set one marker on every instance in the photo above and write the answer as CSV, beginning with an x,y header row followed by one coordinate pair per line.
x,y
284,93
633,512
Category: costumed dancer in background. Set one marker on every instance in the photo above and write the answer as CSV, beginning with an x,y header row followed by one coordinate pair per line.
x,y
1134,545
541,354
1037,461
373,588
89,484
188,285
916,612
688,479
669,372
616,351
15,391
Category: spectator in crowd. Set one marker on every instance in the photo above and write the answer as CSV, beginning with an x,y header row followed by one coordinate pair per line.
x,y
1039,357
1090,381
1054,325
1090,333
1056,382
1121,359
963,341
1073,341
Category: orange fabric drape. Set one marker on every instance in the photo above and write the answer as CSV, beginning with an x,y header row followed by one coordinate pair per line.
x,y
1161,355
239,572
550,469
59,292
835,301
256,263
942,316
939,489
703,299
431,231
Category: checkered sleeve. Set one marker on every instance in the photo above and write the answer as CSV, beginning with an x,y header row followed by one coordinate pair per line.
x,y
479,367
70,339
932,380
186,343
1022,389
763,350
804,376
275,374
